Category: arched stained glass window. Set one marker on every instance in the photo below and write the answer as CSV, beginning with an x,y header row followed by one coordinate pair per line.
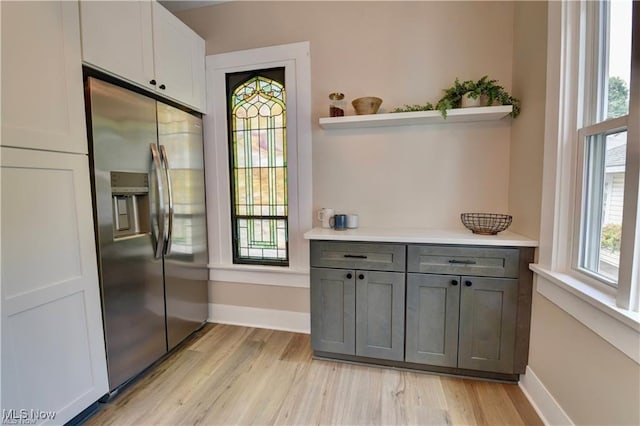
x,y
258,151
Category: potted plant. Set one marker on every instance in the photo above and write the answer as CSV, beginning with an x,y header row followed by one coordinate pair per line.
x,y
413,108
453,96
476,91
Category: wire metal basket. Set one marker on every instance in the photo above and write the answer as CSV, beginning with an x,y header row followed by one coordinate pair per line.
x,y
486,223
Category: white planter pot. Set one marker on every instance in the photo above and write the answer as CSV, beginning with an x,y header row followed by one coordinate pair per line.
x,y
468,102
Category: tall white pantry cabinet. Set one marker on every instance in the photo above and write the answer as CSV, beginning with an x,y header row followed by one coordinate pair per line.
x,y
53,356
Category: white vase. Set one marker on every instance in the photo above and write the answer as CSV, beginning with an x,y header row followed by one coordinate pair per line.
x,y
468,102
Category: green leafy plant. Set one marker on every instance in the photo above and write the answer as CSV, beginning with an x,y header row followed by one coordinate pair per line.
x,y
453,96
611,236
495,94
412,108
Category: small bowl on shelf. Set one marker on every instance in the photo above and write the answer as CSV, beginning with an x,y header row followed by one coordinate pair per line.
x,y
366,105
486,223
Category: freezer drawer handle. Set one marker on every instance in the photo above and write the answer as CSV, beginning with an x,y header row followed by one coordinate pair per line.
x,y
169,230
462,262
157,167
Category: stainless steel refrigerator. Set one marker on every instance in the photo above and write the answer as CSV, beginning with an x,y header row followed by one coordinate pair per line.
x,y
149,206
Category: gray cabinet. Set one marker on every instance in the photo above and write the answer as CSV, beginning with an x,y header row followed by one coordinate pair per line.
x,y
380,314
447,308
488,309
357,299
433,307
333,310
464,322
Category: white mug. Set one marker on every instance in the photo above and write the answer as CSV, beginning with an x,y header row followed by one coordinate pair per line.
x,y
324,215
352,221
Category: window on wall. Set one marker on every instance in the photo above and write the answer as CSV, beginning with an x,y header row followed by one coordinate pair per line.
x,y
259,191
597,222
590,224
602,136
257,121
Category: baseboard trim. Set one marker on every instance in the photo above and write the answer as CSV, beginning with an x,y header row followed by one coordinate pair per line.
x,y
297,322
550,412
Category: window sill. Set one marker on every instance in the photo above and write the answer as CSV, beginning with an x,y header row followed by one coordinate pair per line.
x,y
593,308
263,275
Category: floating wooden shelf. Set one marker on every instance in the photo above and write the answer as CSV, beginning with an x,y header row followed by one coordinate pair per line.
x,y
458,115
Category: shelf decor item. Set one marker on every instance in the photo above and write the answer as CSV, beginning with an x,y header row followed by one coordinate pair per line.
x,y
468,101
486,223
467,94
414,108
366,105
336,104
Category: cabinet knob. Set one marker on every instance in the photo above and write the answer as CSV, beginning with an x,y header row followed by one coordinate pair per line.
x,y
349,276
152,82
468,283
361,276
162,86
454,282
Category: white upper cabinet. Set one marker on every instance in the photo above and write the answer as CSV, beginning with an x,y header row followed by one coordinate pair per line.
x,y
42,92
178,58
145,44
118,38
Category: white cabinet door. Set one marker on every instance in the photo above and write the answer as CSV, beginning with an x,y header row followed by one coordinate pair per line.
x,y
53,356
117,38
178,59
42,93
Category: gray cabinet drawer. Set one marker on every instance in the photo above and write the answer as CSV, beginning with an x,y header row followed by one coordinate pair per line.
x,y
476,261
347,255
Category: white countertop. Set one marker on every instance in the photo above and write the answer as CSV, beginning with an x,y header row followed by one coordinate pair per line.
x,y
421,235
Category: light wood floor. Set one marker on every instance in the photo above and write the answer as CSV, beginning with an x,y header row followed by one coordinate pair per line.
x,y
236,375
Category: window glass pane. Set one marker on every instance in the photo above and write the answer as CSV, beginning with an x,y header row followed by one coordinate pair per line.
x,y
603,204
261,239
617,69
258,149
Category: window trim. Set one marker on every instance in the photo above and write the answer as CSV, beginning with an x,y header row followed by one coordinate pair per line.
x,y
628,296
295,57
594,309
603,313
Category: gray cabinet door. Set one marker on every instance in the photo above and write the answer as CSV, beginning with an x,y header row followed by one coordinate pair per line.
x,y
433,303
333,310
380,314
488,309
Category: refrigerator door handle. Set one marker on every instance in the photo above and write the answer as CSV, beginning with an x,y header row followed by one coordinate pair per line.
x,y
169,230
160,218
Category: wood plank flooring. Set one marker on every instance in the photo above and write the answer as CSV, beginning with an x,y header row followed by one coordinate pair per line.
x,y
228,375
